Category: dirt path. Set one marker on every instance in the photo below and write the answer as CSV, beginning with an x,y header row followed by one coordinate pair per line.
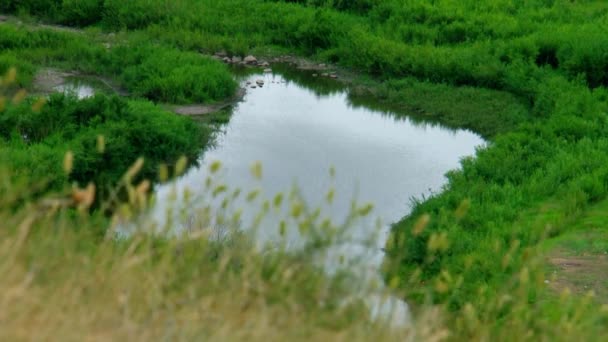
x,y
580,274
578,259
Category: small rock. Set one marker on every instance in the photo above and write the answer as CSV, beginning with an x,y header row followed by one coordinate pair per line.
x,y
3,18
267,70
264,64
227,60
253,86
314,75
547,282
236,59
250,60
248,82
259,82
334,76
322,66
221,54
324,74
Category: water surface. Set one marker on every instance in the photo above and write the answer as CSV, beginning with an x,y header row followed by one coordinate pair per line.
x,y
299,133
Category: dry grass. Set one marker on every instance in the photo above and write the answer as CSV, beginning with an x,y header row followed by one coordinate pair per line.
x,y
60,281
580,274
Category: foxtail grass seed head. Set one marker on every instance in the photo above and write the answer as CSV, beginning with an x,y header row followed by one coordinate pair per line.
x,y
101,144
219,189
256,170
236,216
215,166
524,276
462,209
135,168
84,198
330,196
296,209
365,210
38,104
303,228
143,187
421,224
19,96
68,162
441,286
438,242
252,195
394,283
163,172
11,76
180,166
278,200
266,206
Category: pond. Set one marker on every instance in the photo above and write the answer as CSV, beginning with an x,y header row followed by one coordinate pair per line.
x,y
80,86
298,128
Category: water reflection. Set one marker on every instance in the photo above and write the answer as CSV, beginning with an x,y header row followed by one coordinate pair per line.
x,y
298,133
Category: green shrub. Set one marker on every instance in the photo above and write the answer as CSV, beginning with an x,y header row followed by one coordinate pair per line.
x,y
134,14
81,12
130,130
25,70
173,76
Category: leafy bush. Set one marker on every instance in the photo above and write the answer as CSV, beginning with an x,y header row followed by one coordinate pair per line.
x,y
118,14
81,12
174,76
129,130
24,70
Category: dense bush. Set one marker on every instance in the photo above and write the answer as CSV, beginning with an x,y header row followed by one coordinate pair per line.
x,y
24,70
130,130
135,14
81,12
173,76
152,71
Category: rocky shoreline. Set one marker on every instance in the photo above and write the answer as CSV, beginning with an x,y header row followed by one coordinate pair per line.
x,y
299,63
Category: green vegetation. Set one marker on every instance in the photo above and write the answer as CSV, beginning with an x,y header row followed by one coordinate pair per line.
x,y
36,140
577,260
157,73
538,67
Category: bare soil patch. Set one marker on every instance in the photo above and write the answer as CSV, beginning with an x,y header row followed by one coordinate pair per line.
x,y
580,274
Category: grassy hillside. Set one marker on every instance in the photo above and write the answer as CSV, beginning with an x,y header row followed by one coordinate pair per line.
x,y
530,76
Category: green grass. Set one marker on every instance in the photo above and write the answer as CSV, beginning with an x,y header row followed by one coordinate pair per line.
x,y
528,75
155,72
33,142
577,261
